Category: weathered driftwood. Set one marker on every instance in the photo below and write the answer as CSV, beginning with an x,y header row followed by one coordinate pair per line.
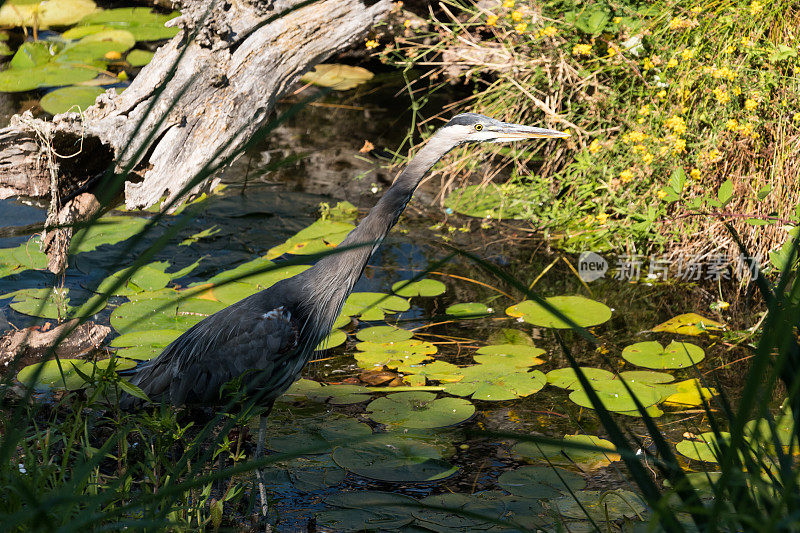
x,y
205,93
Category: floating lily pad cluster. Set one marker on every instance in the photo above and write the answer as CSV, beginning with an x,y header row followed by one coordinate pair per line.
x,y
79,59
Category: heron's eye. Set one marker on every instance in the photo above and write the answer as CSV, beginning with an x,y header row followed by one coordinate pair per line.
x,y
478,127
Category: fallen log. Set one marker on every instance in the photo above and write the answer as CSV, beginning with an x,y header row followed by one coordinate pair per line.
x,y
201,98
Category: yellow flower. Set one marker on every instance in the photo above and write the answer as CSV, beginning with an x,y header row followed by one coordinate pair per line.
x,y
508,3
745,41
516,16
676,124
662,93
549,31
732,125
736,90
626,175
661,194
722,95
756,7
595,146
616,20
672,63
746,129
640,148
648,63
602,217
680,146
582,50
796,117
372,43
687,54
637,136
407,23
612,51
679,23
644,110
521,27
647,158
491,20
697,10
750,104
695,173
730,49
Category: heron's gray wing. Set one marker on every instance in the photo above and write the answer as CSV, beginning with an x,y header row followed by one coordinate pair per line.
x,y
221,348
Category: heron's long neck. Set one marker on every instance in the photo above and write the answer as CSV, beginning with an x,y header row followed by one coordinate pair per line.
x,y
333,277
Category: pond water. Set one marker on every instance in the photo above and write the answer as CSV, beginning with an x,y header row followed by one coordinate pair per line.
x,y
259,211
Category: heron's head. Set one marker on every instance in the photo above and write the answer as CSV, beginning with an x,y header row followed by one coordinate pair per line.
x,y
475,128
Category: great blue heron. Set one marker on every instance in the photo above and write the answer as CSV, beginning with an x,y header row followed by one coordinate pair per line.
x,y
272,334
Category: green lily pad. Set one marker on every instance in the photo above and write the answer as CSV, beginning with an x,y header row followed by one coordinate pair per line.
x,y
782,428
437,371
25,256
142,22
384,334
373,305
646,377
567,455
338,77
107,230
300,389
260,272
321,236
56,303
32,54
367,511
50,375
583,311
468,310
652,355
161,312
139,58
313,473
704,448
63,100
394,458
456,520
492,383
615,397
315,434
335,338
601,505
540,482
509,355
144,345
48,75
410,352
340,394
45,14
96,45
419,410
423,287
566,378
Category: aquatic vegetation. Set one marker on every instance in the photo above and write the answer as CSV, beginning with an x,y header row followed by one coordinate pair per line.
x,y
652,354
582,311
416,410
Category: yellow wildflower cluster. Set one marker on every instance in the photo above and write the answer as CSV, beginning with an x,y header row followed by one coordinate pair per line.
x,y
679,146
719,73
644,110
662,93
721,94
602,218
680,23
491,20
582,50
756,7
661,194
647,64
595,146
732,125
634,136
371,43
549,31
688,54
516,16
626,175
695,174
710,156
521,27
508,4
672,63
648,158
676,124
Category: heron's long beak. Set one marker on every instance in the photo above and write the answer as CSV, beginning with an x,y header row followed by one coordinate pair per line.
x,y
518,132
